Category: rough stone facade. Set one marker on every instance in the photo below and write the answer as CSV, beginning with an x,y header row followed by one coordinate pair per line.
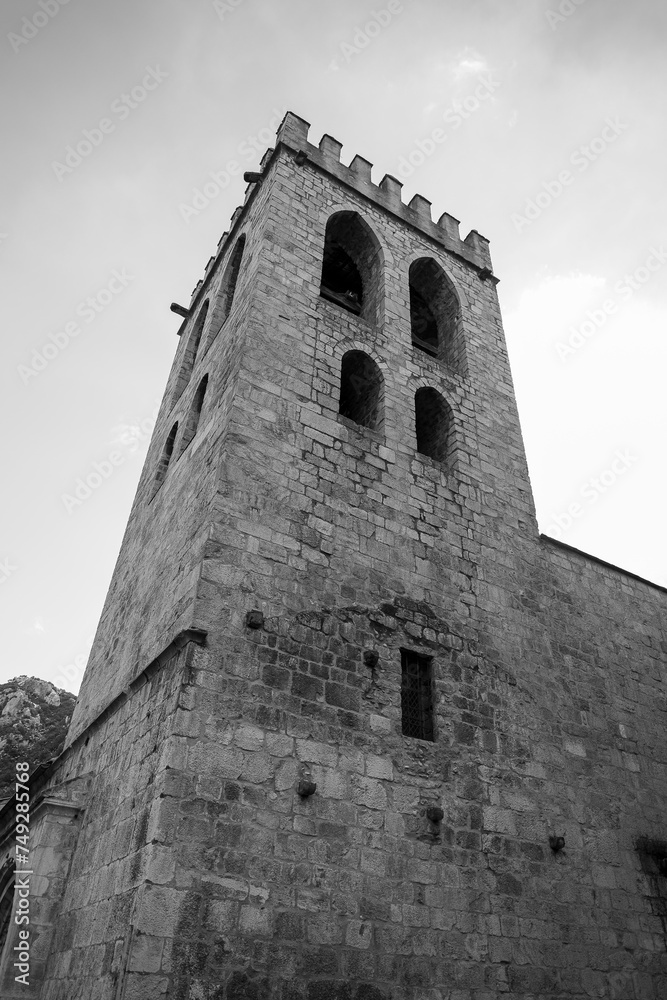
x,y
192,868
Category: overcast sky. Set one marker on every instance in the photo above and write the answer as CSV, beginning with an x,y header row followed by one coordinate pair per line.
x,y
540,123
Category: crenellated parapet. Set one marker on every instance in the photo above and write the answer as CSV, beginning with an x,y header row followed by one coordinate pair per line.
x,y
326,156
293,133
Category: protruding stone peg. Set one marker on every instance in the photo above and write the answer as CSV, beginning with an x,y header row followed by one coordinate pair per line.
x,y
306,788
435,814
556,843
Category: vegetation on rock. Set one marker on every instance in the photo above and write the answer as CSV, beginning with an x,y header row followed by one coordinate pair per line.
x,y
34,716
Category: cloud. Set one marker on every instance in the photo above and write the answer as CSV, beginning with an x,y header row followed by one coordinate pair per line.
x,y
468,63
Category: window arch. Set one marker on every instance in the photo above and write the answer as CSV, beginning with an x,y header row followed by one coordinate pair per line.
x,y
435,313
361,390
434,425
195,336
191,350
351,265
227,289
165,457
195,413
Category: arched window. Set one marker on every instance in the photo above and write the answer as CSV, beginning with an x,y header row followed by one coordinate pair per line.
x,y
165,458
361,386
193,416
351,265
434,425
191,350
227,289
435,314
195,336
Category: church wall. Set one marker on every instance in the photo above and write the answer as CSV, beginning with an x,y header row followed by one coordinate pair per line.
x,y
126,764
347,541
154,585
353,891
548,680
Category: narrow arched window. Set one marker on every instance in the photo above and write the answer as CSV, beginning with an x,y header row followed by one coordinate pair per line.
x,y
165,457
191,350
195,336
225,296
351,265
434,425
435,314
361,387
195,413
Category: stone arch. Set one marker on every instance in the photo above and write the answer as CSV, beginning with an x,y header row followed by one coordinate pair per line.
x,y
191,351
194,414
436,319
227,289
352,265
435,427
165,457
361,390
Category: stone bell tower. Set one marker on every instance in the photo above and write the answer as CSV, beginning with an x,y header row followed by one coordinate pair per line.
x,y
333,712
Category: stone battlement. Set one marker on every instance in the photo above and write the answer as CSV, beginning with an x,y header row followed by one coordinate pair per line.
x,y
293,134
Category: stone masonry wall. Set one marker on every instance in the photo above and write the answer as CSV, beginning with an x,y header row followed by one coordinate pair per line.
x,y
549,672
154,585
126,762
353,892
317,520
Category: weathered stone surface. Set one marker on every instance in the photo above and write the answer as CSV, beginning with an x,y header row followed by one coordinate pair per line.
x,y
213,876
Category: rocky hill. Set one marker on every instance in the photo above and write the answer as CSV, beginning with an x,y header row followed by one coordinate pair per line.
x,y
34,716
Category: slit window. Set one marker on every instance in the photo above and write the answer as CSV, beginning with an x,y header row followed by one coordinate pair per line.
x,y
227,290
194,414
417,696
231,278
195,337
361,386
191,350
165,458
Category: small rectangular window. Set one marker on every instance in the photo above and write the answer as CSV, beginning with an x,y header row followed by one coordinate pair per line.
x,y
416,695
